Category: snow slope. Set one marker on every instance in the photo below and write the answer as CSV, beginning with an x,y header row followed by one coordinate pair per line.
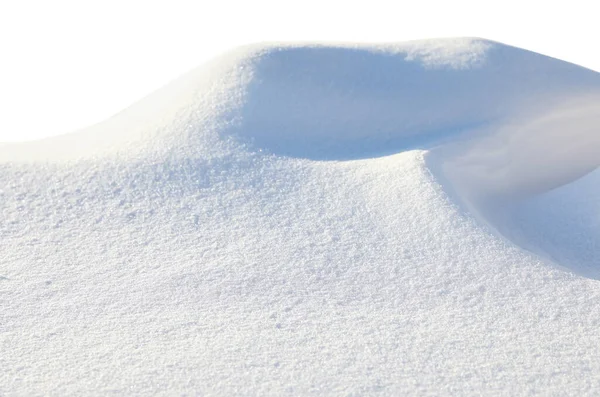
x,y
415,218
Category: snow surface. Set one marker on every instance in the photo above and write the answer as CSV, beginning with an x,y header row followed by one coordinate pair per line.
x,y
399,219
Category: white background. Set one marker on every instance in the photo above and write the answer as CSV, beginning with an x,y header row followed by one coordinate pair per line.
x,y
67,64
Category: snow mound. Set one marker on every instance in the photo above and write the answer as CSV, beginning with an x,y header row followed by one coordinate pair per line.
x,y
413,218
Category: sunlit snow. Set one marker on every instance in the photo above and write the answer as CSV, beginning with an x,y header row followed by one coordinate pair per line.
x,y
419,218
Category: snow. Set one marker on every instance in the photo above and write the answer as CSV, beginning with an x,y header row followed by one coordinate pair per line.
x,y
394,219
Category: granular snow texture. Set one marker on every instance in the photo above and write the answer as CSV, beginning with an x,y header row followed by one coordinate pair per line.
x,y
402,219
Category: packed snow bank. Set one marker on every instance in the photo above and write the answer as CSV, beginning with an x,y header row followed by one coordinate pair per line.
x,y
196,243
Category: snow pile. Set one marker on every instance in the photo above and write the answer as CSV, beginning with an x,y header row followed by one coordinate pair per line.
x,y
418,218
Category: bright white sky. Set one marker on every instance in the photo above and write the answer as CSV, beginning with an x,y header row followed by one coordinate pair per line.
x,y
67,64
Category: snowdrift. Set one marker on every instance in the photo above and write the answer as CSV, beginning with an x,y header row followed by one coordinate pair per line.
x,y
414,218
